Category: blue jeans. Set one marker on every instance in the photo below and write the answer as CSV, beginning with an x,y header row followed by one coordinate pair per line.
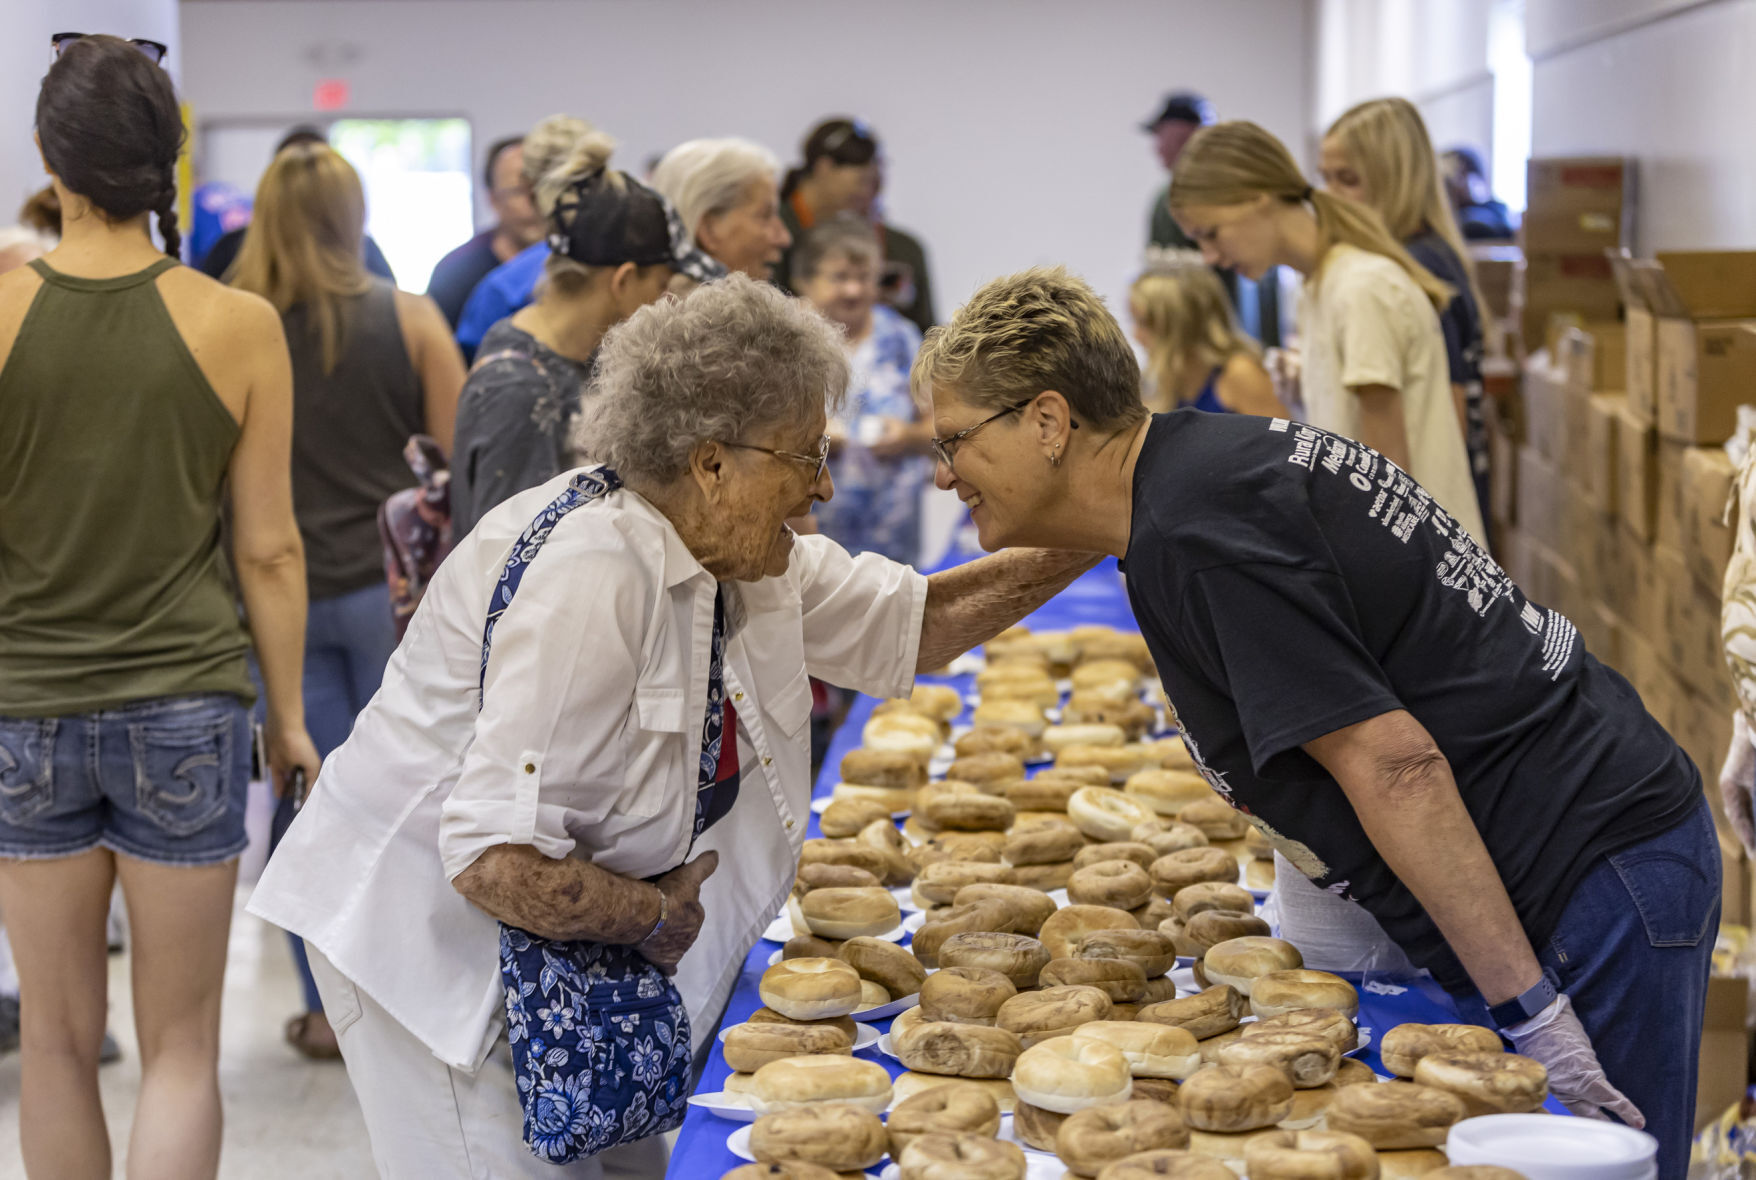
x,y
160,780
1633,949
348,641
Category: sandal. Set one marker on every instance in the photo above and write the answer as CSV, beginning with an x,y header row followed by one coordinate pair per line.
x,y
311,1036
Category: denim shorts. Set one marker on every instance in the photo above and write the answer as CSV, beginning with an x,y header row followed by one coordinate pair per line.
x,y
162,780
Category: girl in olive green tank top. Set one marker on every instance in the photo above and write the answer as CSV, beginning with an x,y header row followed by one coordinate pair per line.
x,y
112,465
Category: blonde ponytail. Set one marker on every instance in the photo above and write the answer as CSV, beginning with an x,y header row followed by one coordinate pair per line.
x,y
590,153
1235,163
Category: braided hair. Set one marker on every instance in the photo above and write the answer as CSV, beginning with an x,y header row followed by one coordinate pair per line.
x,y
111,130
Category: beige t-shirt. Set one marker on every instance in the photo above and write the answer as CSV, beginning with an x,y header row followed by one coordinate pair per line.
x,y
1363,321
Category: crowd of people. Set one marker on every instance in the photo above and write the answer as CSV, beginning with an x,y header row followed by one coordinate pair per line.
x,y
686,468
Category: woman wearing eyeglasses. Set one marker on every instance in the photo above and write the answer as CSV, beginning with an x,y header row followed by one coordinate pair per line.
x,y
619,759
137,393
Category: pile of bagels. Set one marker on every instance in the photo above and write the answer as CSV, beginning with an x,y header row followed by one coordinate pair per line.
x,y
1064,1015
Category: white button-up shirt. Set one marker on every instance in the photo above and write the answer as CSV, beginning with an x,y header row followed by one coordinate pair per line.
x,y
587,744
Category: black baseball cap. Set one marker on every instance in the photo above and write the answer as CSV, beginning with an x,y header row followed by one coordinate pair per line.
x,y
1185,106
596,223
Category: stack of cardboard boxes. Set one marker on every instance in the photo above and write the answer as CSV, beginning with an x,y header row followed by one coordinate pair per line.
x,y
1579,208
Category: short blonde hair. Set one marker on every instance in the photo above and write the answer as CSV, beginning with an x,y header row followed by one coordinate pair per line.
x,y
1184,309
709,176
1036,330
1234,163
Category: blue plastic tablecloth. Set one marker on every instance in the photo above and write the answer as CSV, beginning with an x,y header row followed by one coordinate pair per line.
x,y
1096,598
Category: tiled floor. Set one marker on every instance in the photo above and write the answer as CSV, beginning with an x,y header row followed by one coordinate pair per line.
x,y
285,1116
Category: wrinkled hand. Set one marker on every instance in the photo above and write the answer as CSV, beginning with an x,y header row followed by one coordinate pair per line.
x,y
1736,782
683,913
290,750
1555,1037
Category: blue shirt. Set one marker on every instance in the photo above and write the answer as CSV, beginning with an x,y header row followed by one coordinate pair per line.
x,y
506,288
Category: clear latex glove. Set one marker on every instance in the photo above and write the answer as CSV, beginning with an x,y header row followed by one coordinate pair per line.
x,y
1736,782
1555,1037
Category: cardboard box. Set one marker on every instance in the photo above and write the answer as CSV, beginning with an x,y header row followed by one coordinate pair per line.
x,y
1496,275
1575,421
1704,284
1640,362
1636,472
1540,499
1544,408
1622,570
1723,1065
1707,482
1598,451
1594,356
1671,528
1578,204
1706,369
1583,285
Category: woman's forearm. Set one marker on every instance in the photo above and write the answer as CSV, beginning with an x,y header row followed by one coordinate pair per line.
x,y
1383,427
564,899
273,588
972,603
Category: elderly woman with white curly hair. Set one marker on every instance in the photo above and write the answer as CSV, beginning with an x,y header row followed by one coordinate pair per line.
x,y
506,877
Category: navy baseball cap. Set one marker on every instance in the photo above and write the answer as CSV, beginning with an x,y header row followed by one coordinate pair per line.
x,y
597,223
1185,106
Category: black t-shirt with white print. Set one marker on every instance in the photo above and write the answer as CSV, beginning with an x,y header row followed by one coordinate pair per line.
x,y
1290,582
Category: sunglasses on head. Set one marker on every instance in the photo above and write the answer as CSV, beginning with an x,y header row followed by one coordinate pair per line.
x,y
154,51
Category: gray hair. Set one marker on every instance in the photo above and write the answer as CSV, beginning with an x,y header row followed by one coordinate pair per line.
x,y
707,176
720,364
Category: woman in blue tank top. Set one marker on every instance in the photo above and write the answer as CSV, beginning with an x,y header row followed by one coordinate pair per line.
x,y
1196,354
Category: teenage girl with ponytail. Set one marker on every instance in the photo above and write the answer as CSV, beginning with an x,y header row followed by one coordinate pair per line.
x,y
134,393
1373,356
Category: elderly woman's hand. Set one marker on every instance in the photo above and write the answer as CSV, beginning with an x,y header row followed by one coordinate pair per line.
x,y
683,913
1737,779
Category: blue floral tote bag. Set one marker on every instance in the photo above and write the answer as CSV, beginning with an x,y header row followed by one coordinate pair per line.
x,y
600,1037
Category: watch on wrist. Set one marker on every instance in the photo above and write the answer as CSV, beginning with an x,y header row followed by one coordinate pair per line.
x,y
1527,1003
664,912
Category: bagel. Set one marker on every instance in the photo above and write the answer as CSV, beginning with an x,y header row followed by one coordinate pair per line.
x,y
1027,908
826,876
894,769
1172,837
1307,1059
770,1016
1121,980
1152,1050
1206,1014
1327,1023
810,989
1119,884
1212,895
1118,762
1037,691
1209,928
1105,814
907,1084
969,847
1011,713
1052,1012
1037,794
964,995
1062,930
894,800
940,882
942,1156
986,768
846,815
957,1050
801,1081
841,1136
989,739
982,916
749,1047
1128,850
969,811
1063,1075
902,708
1235,1098
1017,958
781,1170
1286,991
1298,1155
1168,1164
1396,1116
1241,961
1159,990
1217,819
1150,915
1059,737
1035,1126
893,846
903,732
842,852
1151,951
1474,1172
1488,1083
1257,844
844,913
1045,877
1091,1139
1167,792
1130,714
1090,775
1405,1045
1176,871
809,946
872,995
937,700
1048,843
1101,672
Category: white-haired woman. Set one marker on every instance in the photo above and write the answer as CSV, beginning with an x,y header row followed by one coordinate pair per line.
x,y
606,685
729,198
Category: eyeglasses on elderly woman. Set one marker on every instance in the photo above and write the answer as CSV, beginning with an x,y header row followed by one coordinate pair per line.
x,y
818,462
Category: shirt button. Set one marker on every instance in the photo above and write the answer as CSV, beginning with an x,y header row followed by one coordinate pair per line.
x,y
789,825
767,761
530,768
737,696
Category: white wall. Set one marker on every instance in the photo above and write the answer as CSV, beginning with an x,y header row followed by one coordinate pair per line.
x,y
25,28
1010,124
1669,82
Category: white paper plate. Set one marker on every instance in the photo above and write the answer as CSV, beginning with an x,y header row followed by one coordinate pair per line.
x,y
905,899
886,1048
884,1011
1060,898
1184,978
738,1143
913,922
867,1036
724,1105
1365,1041
781,930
